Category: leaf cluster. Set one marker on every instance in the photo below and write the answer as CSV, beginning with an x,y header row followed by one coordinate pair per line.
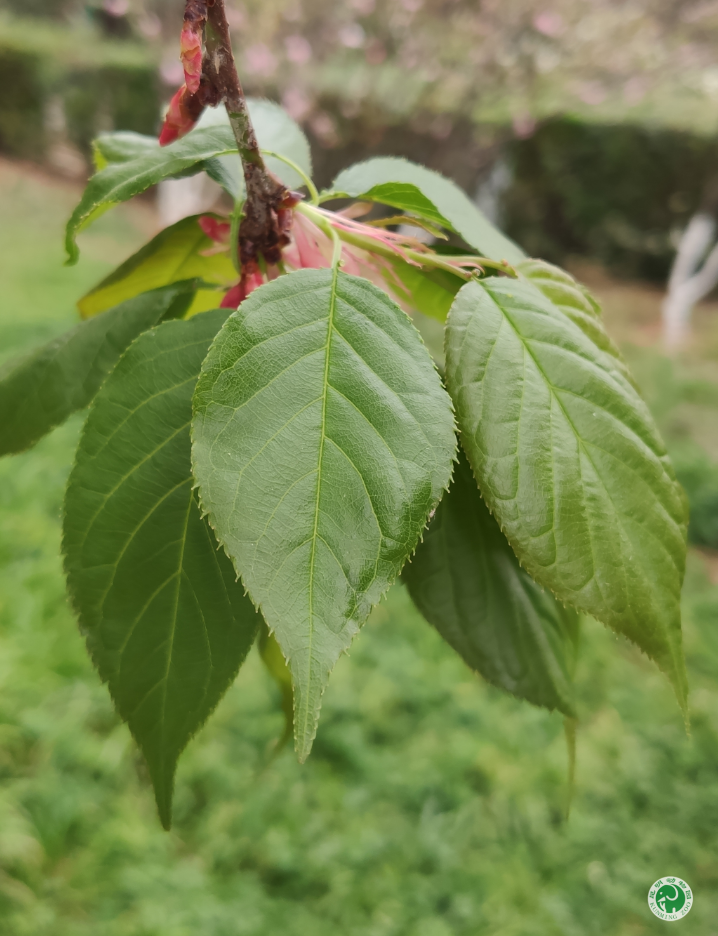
x,y
272,468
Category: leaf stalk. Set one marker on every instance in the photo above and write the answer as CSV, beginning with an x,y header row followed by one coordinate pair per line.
x,y
420,258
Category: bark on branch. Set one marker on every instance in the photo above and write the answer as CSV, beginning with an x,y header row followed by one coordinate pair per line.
x,y
262,229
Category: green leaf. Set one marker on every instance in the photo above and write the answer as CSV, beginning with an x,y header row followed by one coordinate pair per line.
x,y
166,623
123,179
119,147
322,439
430,292
120,181
174,254
41,390
570,462
467,582
276,132
423,192
577,303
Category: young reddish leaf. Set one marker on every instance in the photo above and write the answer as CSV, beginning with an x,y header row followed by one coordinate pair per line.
x,y
191,57
179,120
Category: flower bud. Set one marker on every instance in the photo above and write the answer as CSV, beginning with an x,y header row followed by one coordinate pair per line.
x,y
178,120
191,58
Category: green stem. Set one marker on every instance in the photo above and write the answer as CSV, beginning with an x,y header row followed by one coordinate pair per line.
x,y
311,187
235,220
377,247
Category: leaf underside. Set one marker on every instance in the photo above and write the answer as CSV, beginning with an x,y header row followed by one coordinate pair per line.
x,y
429,195
166,623
203,148
44,388
430,292
467,582
570,463
322,439
174,254
120,146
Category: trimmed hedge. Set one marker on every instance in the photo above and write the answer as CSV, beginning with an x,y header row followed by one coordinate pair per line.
x,y
611,192
102,84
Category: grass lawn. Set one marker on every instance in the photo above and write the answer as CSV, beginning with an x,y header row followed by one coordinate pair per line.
x,y
432,804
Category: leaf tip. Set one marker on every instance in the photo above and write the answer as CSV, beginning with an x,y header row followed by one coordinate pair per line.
x,y
163,799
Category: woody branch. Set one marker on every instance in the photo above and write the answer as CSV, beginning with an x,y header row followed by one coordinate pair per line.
x,y
211,79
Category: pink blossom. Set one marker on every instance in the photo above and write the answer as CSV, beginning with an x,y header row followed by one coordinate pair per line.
x,y
375,52
524,126
325,128
549,23
592,93
352,35
260,60
298,49
171,72
296,103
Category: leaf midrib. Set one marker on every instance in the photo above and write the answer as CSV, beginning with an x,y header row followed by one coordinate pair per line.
x,y
325,393
110,194
583,446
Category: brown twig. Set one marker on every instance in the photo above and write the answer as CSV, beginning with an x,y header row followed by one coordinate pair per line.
x,y
261,231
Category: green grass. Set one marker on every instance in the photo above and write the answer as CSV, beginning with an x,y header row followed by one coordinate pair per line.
x,y
432,804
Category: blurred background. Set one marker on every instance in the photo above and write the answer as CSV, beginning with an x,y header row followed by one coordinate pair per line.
x,y
432,805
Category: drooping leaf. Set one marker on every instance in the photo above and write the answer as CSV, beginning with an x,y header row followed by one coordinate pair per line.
x,y
576,302
322,439
123,177
41,390
467,582
570,462
166,623
429,195
174,254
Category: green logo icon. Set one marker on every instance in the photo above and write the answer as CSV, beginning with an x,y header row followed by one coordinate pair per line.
x,y
670,898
